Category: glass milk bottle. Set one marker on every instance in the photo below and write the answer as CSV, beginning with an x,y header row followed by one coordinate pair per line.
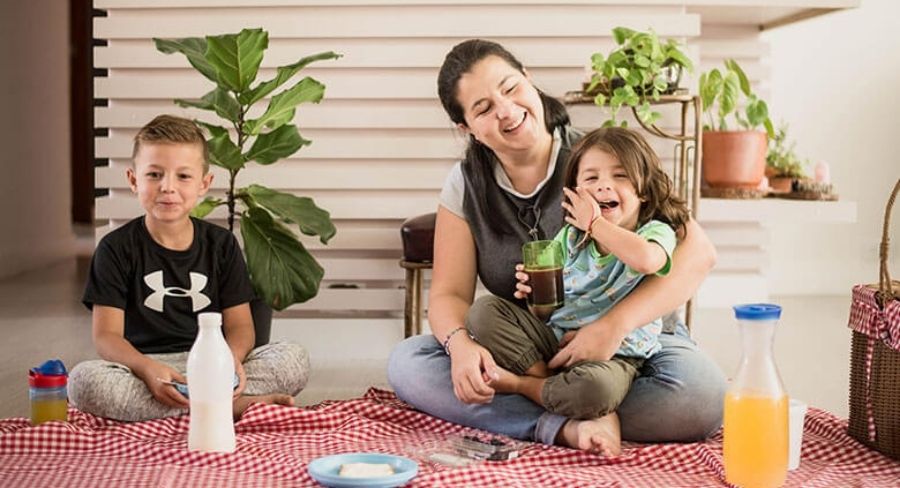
x,y
210,372
756,407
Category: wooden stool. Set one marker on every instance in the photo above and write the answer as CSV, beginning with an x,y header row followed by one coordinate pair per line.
x,y
417,234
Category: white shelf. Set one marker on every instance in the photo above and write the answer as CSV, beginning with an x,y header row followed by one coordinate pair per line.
x,y
775,210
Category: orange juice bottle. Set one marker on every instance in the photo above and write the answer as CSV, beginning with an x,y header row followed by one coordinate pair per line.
x,y
755,441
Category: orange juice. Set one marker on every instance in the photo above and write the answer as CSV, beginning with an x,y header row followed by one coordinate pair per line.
x,y
756,440
53,409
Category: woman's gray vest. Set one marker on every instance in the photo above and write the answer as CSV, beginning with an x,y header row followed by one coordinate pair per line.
x,y
538,217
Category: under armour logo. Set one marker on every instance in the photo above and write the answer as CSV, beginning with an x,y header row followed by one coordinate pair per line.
x,y
155,301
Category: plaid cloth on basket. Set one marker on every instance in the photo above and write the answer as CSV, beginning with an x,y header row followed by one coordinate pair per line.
x,y
275,444
877,324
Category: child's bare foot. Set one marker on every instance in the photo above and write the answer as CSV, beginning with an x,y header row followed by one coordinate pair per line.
x,y
601,435
242,402
503,381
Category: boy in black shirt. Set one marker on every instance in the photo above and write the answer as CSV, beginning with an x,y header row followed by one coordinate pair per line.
x,y
151,277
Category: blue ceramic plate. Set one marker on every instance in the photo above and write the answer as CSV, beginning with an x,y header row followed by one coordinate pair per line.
x,y
325,470
183,388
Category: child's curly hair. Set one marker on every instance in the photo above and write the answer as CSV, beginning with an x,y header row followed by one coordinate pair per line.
x,y
644,169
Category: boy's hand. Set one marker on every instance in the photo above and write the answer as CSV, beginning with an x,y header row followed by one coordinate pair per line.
x,y
242,378
154,375
522,288
582,208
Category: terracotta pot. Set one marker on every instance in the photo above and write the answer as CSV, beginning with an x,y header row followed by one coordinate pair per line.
x,y
781,184
734,159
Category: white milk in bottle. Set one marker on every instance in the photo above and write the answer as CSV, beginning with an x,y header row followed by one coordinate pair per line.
x,y
210,372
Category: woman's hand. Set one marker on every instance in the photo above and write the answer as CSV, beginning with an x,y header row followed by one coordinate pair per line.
x,y
582,208
595,342
155,374
522,288
470,365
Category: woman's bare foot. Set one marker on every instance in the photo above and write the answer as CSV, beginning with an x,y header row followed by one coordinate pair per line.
x,y
242,402
601,435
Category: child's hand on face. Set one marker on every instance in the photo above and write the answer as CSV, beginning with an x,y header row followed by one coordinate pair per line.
x,y
582,208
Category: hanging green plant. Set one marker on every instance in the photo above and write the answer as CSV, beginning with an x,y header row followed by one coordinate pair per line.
x,y
641,69
283,272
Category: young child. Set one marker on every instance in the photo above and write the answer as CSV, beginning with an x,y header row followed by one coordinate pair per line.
x,y
622,217
151,277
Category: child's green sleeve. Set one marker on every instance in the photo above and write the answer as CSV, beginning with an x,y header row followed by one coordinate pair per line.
x,y
662,234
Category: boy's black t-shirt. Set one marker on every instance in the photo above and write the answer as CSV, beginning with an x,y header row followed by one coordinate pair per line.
x,y
161,290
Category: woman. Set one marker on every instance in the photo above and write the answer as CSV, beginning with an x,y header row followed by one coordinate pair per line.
x,y
506,191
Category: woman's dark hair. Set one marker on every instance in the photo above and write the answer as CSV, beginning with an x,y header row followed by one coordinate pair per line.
x,y
460,61
644,170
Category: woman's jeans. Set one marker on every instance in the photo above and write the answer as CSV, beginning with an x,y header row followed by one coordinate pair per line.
x,y
677,397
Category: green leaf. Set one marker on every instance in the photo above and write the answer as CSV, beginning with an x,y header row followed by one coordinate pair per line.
x,y
622,72
193,49
206,206
620,34
770,129
222,151
742,77
236,57
729,95
757,111
609,123
600,99
220,101
680,58
642,61
710,86
281,269
302,211
284,74
280,143
214,130
281,107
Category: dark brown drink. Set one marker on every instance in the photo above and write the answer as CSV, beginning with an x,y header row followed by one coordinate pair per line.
x,y
546,291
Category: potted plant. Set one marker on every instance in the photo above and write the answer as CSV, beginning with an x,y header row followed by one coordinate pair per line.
x,y
281,269
733,158
640,69
783,166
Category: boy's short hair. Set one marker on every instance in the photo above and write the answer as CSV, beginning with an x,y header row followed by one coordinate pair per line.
x,y
169,129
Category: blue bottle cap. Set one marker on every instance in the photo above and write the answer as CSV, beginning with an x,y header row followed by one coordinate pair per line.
x,y
757,311
51,367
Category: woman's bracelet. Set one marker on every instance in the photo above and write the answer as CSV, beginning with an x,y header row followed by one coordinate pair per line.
x,y
446,343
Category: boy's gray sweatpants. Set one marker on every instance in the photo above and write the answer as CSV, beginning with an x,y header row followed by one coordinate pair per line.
x,y
110,390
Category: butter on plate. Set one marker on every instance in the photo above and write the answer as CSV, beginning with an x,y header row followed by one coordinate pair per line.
x,y
365,470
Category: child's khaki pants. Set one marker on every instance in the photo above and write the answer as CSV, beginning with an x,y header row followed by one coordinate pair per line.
x,y
517,339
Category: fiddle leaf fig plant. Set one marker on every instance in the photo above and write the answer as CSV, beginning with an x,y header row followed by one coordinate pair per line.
x,y
641,69
283,272
720,93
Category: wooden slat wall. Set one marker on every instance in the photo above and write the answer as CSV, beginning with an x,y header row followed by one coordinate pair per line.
x,y
381,142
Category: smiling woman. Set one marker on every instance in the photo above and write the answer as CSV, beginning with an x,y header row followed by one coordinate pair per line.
x,y
506,191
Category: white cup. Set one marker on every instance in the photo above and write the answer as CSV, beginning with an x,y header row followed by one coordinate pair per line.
x,y
795,432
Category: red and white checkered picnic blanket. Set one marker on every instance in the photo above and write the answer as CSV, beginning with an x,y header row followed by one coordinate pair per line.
x,y
275,444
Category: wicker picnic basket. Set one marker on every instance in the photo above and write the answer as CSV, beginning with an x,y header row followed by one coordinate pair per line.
x,y
875,356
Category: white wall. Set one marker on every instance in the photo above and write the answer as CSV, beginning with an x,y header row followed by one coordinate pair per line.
x,y
835,79
34,135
